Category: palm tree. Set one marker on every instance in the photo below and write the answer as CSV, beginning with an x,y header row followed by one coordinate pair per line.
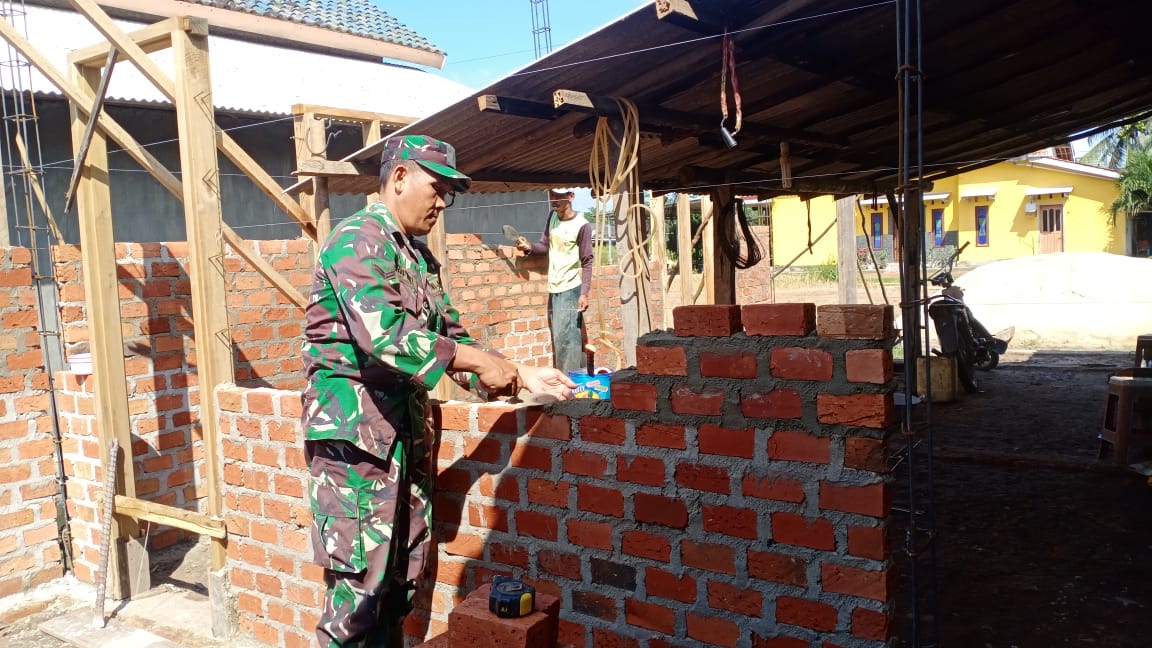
x,y
1135,184
1114,147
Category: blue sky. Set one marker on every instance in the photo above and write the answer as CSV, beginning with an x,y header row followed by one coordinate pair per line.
x,y
488,39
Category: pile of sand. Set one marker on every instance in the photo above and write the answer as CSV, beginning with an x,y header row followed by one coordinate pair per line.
x,y
1081,300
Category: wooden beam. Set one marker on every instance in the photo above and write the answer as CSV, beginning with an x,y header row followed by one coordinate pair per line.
x,y
655,118
233,151
372,132
152,38
263,267
846,271
334,168
684,247
723,269
311,136
5,239
37,188
708,241
171,516
351,115
90,129
102,303
196,124
708,17
517,107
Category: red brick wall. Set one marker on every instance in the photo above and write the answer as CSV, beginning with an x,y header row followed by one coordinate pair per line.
x,y
753,286
29,552
735,491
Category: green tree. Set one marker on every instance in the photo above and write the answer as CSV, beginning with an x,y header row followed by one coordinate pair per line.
x,y
1135,184
1114,147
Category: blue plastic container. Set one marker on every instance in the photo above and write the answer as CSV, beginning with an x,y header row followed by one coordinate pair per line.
x,y
595,386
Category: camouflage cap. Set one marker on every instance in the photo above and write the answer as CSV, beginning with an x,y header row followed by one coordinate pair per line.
x,y
435,156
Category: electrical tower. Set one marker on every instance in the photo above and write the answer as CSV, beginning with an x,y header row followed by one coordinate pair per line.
x,y
541,32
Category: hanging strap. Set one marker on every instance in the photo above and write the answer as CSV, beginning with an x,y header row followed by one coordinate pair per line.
x,y
728,66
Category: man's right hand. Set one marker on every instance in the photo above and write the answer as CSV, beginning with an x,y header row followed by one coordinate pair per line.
x,y
497,376
523,245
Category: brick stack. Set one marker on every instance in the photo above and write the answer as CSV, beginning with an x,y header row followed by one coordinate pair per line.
x,y
29,554
471,623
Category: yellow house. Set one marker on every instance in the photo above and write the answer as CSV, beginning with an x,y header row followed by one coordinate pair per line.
x,y
1020,207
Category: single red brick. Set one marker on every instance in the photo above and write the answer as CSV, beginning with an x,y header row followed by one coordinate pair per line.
x,y
721,320
496,417
686,401
661,435
646,615
722,596
548,492
863,453
799,531
872,499
730,520
863,410
660,583
727,365
641,470
815,615
471,623
855,322
728,442
868,542
657,509
545,426
560,564
605,501
778,568
599,429
634,396
703,477
661,361
866,583
779,403
597,535
713,631
705,555
774,487
779,319
537,525
870,624
869,366
646,545
791,445
588,464
797,363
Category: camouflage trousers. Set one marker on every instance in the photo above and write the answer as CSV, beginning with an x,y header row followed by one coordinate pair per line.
x,y
370,532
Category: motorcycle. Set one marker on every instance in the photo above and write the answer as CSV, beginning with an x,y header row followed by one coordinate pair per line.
x,y
960,335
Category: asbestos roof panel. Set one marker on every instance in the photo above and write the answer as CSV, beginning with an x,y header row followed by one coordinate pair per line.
x,y
356,17
246,76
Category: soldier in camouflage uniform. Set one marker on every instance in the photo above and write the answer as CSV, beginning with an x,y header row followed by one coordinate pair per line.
x,y
380,333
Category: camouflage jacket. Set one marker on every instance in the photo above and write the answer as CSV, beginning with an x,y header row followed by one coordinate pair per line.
x,y
379,333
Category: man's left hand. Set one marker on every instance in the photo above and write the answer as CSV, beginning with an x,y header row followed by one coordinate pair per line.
x,y
582,303
546,380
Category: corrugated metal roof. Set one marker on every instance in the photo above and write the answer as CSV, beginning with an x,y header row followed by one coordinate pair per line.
x,y
355,17
247,76
1001,78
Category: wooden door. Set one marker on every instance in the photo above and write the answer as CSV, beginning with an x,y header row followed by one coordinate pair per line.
x,y
1051,229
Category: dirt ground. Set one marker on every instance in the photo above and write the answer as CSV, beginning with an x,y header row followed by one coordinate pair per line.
x,y
1037,544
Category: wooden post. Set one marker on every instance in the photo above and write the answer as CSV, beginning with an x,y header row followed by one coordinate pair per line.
x,y
196,124
708,241
684,247
438,243
311,144
105,338
5,240
846,271
371,130
723,269
659,251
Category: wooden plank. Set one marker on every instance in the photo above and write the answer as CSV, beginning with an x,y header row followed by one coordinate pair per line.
x,y
233,151
90,129
152,38
708,240
195,121
5,240
171,516
37,188
846,270
438,243
347,114
684,247
372,132
263,267
329,168
102,302
517,107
